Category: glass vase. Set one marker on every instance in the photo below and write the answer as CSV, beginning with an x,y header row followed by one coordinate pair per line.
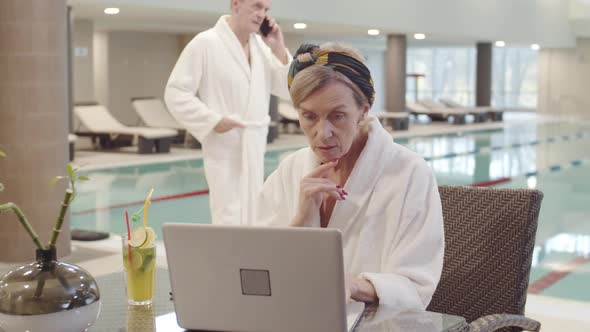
x,y
48,295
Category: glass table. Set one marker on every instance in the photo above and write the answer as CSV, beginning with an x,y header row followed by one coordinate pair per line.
x,y
116,316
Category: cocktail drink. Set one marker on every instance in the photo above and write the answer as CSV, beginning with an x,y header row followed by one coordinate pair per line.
x,y
139,261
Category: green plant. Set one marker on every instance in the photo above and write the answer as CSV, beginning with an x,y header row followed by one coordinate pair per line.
x,y
69,195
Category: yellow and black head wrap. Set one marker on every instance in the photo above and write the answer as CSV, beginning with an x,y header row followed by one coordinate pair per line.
x,y
341,62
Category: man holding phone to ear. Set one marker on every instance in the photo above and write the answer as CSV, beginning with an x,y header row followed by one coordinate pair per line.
x,y
220,91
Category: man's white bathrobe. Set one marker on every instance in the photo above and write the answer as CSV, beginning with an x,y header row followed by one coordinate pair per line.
x,y
213,79
391,221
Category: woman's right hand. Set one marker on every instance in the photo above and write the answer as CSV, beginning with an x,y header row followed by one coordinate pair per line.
x,y
227,124
312,189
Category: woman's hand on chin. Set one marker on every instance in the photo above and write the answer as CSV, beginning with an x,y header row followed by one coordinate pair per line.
x,y
312,189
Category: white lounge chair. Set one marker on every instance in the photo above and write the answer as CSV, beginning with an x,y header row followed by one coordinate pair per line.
x,y
397,120
288,113
457,116
154,113
494,113
478,115
97,122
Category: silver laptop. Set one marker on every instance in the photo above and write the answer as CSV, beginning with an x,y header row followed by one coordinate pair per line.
x,y
241,278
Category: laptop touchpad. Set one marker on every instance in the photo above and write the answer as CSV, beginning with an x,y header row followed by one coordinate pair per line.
x,y
255,282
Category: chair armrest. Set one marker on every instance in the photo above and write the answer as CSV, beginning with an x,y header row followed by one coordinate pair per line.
x,y
494,322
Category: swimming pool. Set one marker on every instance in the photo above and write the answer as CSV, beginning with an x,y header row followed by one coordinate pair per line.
x,y
553,157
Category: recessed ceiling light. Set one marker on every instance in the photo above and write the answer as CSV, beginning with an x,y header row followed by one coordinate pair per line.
x,y
299,26
373,32
500,43
111,11
535,47
419,36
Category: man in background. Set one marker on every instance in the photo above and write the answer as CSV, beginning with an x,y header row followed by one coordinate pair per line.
x,y
220,91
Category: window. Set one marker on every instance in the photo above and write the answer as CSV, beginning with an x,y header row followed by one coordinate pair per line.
x,y
449,73
514,77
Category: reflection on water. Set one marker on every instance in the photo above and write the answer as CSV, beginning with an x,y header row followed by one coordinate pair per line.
x,y
576,244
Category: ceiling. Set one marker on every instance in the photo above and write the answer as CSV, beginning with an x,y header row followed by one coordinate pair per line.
x,y
453,22
146,18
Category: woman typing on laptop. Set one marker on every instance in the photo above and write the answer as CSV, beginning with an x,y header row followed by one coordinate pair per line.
x,y
353,177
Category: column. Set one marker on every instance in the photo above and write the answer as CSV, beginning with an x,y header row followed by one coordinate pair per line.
x,y
33,121
483,76
395,81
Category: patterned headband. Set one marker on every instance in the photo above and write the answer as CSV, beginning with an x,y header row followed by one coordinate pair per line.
x,y
341,62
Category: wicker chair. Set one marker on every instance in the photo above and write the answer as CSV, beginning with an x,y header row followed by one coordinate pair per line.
x,y
489,240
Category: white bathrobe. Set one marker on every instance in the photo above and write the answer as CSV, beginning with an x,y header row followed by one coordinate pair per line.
x,y
391,221
213,79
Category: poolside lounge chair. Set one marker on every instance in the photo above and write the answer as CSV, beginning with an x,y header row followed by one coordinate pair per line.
x,y
397,120
153,113
495,114
457,116
288,114
478,115
97,122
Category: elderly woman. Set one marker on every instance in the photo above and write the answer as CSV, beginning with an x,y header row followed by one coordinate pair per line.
x,y
353,177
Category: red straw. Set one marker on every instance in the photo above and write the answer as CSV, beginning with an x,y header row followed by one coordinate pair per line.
x,y
127,222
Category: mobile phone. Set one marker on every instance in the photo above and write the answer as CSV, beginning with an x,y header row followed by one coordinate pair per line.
x,y
265,28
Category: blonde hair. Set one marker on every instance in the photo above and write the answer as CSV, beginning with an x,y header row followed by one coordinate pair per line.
x,y
316,77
